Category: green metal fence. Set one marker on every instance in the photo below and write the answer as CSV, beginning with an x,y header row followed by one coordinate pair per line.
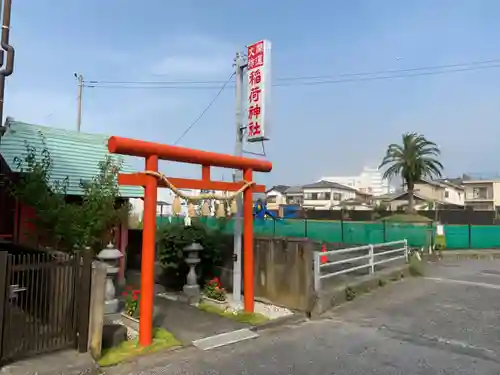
x,y
457,236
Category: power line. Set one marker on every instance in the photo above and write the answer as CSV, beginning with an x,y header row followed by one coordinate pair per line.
x,y
204,111
394,73
311,83
154,82
386,77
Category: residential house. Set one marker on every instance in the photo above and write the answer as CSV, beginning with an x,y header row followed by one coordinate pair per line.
x,y
74,155
399,201
276,196
294,195
385,199
442,192
482,195
362,202
326,195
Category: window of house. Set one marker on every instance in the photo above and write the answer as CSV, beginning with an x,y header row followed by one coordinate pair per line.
x,y
337,197
308,196
294,200
481,193
446,194
324,196
271,199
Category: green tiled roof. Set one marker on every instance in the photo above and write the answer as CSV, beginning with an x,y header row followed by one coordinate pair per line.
x,y
74,155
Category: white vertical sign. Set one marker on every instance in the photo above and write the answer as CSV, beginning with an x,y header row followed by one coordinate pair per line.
x,y
259,85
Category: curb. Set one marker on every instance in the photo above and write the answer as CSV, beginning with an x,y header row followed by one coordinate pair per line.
x,y
464,255
329,299
102,369
56,365
295,318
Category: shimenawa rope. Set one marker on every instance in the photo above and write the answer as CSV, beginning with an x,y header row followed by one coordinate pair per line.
x,y
199,197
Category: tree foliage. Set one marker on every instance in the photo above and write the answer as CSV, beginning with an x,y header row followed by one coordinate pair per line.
x,y
174,237
62,223
415,159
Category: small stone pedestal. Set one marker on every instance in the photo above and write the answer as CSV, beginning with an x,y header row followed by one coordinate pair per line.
x,y
192,289
111,257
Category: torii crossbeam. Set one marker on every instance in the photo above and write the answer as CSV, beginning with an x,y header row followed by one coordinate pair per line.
x,y
152,152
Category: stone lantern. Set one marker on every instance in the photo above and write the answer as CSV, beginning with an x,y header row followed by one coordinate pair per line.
x,y
191,289
111,257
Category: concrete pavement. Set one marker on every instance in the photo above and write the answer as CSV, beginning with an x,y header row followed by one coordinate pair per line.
x,y
188,323
446,323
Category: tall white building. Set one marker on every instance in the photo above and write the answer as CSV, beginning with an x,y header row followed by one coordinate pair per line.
x,y
368,181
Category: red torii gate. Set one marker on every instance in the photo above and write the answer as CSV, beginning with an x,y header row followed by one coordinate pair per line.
x,y
153,152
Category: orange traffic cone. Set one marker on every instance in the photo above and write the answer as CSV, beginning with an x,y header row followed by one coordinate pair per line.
x,y
323,258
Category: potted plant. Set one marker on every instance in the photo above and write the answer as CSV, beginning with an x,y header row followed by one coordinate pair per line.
x,y
131,311
214,294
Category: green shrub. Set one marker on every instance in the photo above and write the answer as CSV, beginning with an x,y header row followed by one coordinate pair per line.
x,y
382,282
174,237
350,293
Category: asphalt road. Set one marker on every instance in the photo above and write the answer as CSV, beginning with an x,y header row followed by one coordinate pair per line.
x,y
447,323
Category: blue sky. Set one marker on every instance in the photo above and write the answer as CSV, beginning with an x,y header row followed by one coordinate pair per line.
x,y
316,130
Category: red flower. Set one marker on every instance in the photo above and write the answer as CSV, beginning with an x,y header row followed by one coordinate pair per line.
x,y
134,297
125,294
136,292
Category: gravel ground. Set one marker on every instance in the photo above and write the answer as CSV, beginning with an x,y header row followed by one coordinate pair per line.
x,y
268,310
447,323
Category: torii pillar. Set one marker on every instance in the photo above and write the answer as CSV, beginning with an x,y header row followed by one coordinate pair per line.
x,y
152,153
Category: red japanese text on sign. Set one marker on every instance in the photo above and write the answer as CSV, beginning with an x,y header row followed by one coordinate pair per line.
x,y
258,89
256,55
254,129
254,78
254,96
254,111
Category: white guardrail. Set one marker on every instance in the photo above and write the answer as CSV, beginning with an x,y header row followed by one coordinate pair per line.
x,y
371,257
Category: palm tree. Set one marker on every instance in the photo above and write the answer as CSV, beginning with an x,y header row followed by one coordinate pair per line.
x,y
415,159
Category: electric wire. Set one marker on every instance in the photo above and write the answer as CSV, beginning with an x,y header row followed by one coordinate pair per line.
x,y
295,81
212,102
314,80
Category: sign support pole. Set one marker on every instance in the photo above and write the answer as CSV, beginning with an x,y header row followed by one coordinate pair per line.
x,y
238,176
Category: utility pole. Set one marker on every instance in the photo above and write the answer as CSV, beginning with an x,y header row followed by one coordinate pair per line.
x,y
79,78
239,64
8,68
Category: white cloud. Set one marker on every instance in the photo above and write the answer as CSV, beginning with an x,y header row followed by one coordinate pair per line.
x,y
184,66
139,113
195,56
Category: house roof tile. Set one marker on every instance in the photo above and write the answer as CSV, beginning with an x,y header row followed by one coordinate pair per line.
x,y
279,188
328,185
74,155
